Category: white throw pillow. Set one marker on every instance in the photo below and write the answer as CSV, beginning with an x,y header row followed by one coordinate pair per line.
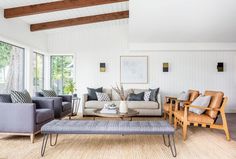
x,y
147,95
183,96
202,101
103,96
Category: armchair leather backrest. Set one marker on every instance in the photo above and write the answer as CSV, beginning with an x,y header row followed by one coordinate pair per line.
x,y
193,94
216,102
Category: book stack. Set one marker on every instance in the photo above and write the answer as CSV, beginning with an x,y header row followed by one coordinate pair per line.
x,y
108,111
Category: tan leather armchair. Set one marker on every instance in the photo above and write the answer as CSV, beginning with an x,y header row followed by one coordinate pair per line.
x,y
173,104
184,118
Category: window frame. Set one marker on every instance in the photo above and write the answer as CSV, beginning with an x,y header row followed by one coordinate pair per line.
x,y
43,73
23,58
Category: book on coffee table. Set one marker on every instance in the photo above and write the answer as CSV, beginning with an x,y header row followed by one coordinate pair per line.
x,y
108,111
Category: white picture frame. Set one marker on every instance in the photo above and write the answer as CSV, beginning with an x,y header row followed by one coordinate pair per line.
x,y
133,69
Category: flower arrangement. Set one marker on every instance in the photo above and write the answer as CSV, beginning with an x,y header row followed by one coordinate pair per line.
x,y
120,91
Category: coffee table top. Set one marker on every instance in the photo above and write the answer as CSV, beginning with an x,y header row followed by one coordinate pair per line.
x,y
130,113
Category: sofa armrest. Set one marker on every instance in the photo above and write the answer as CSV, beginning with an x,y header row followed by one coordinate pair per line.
x,y
66,98
43,103
17,117
84,99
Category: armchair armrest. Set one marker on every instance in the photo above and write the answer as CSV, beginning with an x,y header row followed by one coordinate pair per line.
x,y
17,117
43,103
167,98
66,98
199,107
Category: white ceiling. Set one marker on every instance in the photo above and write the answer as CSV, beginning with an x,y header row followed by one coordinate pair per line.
x,y
67,14
155,21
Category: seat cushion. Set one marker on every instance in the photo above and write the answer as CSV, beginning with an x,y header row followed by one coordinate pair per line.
x,y
194,118
216,101
131,104
43,115
66,106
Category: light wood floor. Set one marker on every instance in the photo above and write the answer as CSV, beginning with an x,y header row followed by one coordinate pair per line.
x,y
201,144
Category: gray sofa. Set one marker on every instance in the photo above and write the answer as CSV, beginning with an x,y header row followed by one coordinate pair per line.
x,y
61,104
24,118
145,108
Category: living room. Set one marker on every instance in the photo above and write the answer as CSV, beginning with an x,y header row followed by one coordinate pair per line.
x,y
166,68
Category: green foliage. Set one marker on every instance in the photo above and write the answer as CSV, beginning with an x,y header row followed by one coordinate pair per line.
x,y
5,54
61,73
69,87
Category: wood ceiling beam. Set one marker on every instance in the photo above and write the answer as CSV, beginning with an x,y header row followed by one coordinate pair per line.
x,y
54,6
79,21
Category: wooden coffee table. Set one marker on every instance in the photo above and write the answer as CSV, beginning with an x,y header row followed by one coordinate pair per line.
x,y
130,114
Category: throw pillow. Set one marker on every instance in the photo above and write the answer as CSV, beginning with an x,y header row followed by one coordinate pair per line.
x,y
20,97
183,96
147,95
136,97
49,93
154,93
202,101
92,93
102,96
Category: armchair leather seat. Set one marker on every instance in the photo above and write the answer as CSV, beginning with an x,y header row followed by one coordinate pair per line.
x,y
43,115
66,106
194,118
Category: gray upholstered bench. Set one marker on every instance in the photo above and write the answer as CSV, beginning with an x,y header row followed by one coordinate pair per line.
x,y
108,127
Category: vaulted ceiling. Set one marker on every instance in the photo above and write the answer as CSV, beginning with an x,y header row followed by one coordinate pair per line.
x,y
50,14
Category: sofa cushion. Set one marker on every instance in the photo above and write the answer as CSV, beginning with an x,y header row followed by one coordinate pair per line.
x,y
99,104
131,104
43,115
103,96
194,118
216,101
66,106
49,93
116,97
5,98
154,94
92,93
136,97
21,97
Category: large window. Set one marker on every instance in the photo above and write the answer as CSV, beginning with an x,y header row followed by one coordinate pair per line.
x,y
38,68
61,73
11,67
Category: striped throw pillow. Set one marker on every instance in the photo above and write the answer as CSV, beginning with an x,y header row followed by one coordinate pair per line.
x,y
21,97
49,93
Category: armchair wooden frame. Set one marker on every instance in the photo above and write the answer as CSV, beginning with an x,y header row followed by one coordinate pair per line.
x,y
170,113
185,123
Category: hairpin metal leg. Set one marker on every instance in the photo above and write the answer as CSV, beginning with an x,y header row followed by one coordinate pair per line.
x,y
53,144
172,145
44,144
164,139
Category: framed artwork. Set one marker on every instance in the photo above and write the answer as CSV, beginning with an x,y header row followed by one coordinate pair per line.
x,y
134,69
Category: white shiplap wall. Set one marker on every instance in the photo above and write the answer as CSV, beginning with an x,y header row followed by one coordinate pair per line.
x,y
188,69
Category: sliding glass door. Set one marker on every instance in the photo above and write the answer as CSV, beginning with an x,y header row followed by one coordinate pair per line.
x,y
38,75
11,67
61,73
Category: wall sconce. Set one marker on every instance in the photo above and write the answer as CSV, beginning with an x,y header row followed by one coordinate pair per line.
x,y
220,67
102,67
165,67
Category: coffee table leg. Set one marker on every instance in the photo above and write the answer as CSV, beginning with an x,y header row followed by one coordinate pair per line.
x,y
172,145
44,144
55,140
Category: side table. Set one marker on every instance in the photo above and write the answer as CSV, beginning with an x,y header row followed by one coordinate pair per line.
x,y
74,106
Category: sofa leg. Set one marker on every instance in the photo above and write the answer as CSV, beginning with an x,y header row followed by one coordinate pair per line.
x,y
32,138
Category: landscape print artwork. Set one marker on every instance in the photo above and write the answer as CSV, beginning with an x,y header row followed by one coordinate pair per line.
x,y
134,69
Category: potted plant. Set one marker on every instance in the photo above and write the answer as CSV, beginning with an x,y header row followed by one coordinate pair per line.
x,y
123,108
70,88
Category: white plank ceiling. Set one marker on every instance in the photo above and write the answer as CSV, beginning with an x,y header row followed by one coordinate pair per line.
x,y
67,14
